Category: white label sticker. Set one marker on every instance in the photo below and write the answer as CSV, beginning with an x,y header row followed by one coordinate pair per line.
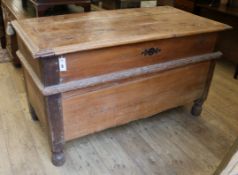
x,y
62,64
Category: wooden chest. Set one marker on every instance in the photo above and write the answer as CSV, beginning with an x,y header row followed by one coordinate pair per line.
x,y
131,64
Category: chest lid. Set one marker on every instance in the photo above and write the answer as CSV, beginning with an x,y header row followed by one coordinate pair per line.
x,y
63,34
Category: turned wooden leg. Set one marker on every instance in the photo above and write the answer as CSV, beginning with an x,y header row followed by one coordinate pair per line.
x,y
33,113
56,129
236,72
197,107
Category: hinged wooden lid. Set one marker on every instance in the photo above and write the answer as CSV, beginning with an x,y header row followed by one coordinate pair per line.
x,y
78,32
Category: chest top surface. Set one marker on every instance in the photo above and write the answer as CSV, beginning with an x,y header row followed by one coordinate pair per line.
x,y
77,32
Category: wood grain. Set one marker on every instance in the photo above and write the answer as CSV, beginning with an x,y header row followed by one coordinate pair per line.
x,y
95,111
82,64
113,77
34,63
40,67
67,33
229,163
23,141
36,99
178,70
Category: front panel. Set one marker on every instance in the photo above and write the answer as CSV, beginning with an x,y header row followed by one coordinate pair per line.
x,y
107,107
97,62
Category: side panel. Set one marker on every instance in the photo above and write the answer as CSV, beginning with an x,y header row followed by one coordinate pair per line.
x,y
36,99
35,64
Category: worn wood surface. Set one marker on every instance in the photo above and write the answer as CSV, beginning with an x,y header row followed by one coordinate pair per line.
x,y
170,143
53,106
229,164
13,10
36,99
119,103
109,28
130,101
116,77
82,64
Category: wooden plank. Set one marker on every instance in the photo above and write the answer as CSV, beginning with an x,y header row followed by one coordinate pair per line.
x,y
109,28
40,141
179,145
39,138
40,67
142,154
36,99
113,155
16,135
113,77
229,164
208,126
169,152
89,158
190,147
5,164
35,64
121,103
206,130
73,166
82,64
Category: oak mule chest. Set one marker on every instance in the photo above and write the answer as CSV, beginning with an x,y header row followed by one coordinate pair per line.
x,y
131,64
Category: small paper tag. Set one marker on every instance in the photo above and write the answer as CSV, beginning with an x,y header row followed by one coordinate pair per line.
x,y
62,64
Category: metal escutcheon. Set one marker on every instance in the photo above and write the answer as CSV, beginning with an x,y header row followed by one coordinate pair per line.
x,y
151,51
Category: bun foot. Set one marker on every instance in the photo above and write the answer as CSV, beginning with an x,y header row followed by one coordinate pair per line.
x,y
197,108
58,159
